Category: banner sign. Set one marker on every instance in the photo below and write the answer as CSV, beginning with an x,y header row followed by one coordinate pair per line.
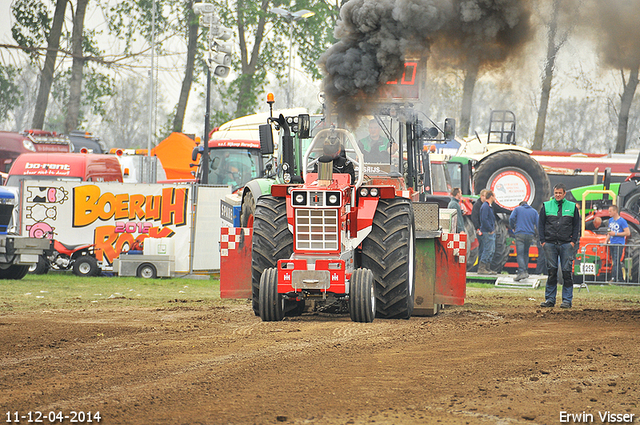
x,y
115,217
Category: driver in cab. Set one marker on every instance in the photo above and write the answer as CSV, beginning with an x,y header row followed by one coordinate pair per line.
x,y
333,150
375,147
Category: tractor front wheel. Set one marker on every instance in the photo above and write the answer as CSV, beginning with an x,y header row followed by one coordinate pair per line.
x,y
271,303
362,298
272,241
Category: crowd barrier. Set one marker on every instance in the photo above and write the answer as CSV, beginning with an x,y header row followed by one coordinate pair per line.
x,y
594,264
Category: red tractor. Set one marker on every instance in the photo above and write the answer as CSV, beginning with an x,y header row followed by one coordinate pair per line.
x,y
339,242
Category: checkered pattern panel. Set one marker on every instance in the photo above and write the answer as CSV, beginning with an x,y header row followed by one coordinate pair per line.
x,y
230,237
456,243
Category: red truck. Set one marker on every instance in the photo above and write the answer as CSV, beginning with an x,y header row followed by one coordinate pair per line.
x,y
14,144
65,166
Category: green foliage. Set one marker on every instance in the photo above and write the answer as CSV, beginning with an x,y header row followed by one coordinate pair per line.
x,y
32,24
10,94
128,20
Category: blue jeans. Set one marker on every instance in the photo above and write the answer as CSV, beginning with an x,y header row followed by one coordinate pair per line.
x,y
566,253
488,247
616,265
523,243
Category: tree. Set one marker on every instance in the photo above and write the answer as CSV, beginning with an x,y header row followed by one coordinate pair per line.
x,y
77,68
10,95
629,89
555,42
31,19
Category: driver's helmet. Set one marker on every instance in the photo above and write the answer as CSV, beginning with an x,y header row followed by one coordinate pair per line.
x,y
332,144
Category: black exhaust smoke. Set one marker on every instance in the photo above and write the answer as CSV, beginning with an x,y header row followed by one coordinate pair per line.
x,y
376,36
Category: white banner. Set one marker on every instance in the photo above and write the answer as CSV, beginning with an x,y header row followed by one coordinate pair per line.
x,y
115,217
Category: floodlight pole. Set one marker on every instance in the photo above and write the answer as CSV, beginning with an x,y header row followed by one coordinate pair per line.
x,y
207,112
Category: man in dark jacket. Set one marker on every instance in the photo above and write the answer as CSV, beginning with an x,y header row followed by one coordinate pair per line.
x,y
523,221
559,232
488,230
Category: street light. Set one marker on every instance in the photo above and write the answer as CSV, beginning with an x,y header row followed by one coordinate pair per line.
x,y
219,60
291,17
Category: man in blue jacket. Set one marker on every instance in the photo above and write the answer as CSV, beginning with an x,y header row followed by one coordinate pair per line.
x,y
559,232
488,229
523,220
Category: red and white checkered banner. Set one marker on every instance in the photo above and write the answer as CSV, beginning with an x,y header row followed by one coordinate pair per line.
x,y
231,237
456,243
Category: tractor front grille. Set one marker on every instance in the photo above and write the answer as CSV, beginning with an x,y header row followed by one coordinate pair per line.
x,y
317,229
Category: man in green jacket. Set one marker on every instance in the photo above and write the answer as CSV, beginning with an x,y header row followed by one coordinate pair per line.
x,y
559,231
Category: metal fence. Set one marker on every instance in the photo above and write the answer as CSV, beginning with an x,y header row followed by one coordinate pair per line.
x,y
594,264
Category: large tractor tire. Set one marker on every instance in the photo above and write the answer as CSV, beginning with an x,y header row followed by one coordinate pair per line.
x,y
362,297
272,241
632,202
14,271
271,303
519,169
389,252
472,253
501,254
248,210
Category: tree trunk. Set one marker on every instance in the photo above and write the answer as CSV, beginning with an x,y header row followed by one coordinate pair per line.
x,y
46,76
75,85
625,105
192,46
552,52
470,78
246,93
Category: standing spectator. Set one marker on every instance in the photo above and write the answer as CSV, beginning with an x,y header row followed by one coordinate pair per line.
x,y
475,219
559,231
616,236
454,204
523,220
488,230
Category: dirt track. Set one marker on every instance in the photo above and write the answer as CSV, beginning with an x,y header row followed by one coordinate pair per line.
x,y
488,362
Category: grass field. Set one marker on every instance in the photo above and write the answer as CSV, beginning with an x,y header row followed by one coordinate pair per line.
x,y
67,291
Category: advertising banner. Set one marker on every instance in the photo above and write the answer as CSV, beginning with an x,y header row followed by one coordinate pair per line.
x,y
116,217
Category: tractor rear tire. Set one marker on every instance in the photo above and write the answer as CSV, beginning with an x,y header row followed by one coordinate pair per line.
x,y
501,253
389,252
362,298
632,203
248,210
272,241
520,164
271,303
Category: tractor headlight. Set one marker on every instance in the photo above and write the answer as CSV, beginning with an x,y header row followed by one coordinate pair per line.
x,y
373,191
333,199
364,191
300,198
